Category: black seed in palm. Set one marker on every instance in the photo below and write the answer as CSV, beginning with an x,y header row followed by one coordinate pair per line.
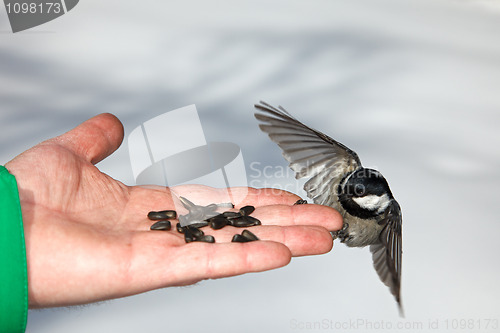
x,y
194,231
245,221
161,225
231,215
179,228
218,222
197,224
249,235
162,215
188,236
239,239
247,210
206,239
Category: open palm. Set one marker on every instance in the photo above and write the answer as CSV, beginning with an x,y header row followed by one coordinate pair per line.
x,y
88,238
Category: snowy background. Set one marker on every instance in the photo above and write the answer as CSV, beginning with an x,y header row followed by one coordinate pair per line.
x,y
413,87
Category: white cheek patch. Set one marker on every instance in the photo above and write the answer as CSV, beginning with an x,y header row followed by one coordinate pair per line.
x,y
373,202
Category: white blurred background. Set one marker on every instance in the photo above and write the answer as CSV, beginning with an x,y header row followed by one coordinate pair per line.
x,y
413,87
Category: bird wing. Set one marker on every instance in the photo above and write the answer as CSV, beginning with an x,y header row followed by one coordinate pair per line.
x,y
309,152
387,254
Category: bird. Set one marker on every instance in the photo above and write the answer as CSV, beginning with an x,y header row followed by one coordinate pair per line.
x,y
371,215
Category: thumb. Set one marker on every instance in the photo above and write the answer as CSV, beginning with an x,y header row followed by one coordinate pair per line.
x,y
94,139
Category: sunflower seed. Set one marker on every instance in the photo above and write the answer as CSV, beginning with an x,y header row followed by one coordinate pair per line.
x,y
218,222
245,221
180,229
194,231
232,215
206,239
197,224
241,222
161,225
188,236
162,215
300,202
239,239
247,210
253,220
249,235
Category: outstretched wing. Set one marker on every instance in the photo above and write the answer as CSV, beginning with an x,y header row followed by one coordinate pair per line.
x,y
387,254
309,152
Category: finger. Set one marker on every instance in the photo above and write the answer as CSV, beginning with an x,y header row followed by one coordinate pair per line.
x,y
204,195
157,263
199,261
301,240
309,214
94,139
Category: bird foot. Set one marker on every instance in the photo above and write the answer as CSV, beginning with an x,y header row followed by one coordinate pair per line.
x,y
341,234
300,202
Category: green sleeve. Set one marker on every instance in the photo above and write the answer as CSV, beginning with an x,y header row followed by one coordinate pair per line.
x,y
13,272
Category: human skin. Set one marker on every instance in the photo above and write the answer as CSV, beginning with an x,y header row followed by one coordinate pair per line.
x,y
88,238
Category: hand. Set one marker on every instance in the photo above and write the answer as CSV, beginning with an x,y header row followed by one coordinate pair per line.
x,y
88,238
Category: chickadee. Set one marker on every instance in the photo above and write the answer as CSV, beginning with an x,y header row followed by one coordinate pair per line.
x,y
371,214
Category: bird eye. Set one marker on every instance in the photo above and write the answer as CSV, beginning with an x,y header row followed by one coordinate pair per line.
x,y
359,190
